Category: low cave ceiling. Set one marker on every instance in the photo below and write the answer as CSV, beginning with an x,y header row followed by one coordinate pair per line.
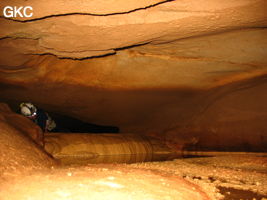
x,y
145,66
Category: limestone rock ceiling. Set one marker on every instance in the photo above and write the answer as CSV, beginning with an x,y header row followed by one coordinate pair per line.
x,y
201,62
45,9
79,31
183,40
141,65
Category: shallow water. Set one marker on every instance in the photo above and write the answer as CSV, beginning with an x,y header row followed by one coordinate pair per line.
x,y
235,194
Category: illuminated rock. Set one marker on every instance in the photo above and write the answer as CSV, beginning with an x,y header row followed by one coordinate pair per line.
x,y
19,154
169,62
104,182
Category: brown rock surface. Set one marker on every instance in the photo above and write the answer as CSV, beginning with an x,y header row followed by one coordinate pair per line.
x,y
241,173
232,117
188,72
25,174
19,154
195,61
22,124
103,182
44,8
80,36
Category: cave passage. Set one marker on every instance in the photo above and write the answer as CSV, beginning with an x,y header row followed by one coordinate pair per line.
x,y
155,99
69,124
73,125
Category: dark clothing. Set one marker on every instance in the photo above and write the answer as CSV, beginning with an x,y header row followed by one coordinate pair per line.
x,y
41,119
45,122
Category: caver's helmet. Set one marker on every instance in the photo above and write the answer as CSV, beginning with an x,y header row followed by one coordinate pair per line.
x,y
28,109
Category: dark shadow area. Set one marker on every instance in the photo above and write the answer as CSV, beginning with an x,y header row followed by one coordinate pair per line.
x,y
196,156
235,194
70,124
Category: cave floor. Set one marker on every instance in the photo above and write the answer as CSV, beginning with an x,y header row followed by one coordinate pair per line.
x,y
229,178
225,177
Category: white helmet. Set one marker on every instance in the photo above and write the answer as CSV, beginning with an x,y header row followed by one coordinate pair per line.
x,y
28,109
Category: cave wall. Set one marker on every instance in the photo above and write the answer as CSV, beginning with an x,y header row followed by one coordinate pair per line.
x,y
232,118
163,68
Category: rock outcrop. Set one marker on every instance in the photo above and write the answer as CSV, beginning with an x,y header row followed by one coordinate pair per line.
x,y
19,153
